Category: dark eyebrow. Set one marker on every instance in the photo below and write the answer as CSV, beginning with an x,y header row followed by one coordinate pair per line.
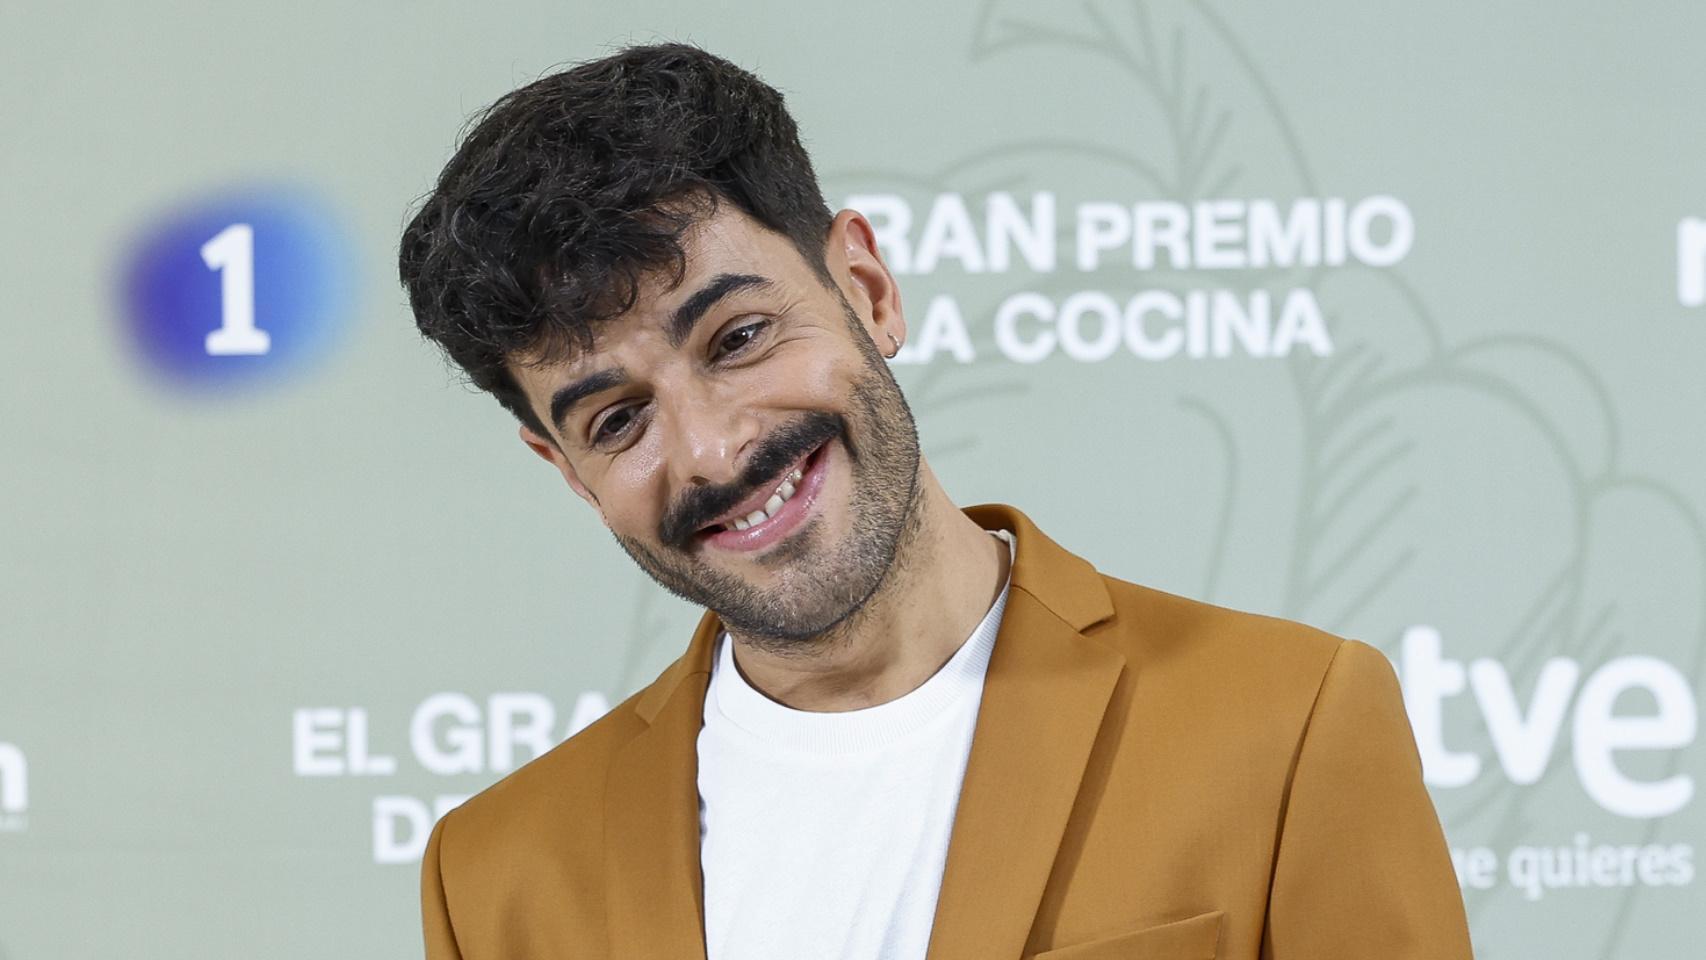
x,y
564,400
681,324
689,313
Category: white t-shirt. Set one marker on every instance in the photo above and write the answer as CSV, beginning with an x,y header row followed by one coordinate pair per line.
x,y
823,835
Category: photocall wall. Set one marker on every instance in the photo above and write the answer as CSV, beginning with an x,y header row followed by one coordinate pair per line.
x,y
1386,317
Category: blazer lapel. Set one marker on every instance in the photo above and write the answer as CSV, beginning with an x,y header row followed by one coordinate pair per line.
x,y
651,851
1044,697
1043,701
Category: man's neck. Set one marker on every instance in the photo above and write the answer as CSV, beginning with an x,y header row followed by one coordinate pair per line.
x,y
945,579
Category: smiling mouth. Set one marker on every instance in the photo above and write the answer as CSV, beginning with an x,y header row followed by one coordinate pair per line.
x,y
754,516
782,494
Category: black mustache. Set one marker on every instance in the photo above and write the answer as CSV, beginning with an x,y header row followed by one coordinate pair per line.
x,y
700,506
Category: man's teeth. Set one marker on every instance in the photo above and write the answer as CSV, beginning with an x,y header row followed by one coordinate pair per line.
x,y
783,494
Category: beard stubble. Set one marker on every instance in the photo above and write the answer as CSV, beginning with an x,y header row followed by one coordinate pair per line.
x,y
822,588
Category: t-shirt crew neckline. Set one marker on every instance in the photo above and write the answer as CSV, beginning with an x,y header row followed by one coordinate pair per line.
x,y
868,728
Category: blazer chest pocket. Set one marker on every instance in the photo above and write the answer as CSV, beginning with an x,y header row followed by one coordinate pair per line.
x,y
1193,938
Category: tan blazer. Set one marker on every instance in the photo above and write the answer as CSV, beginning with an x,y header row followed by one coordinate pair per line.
x,y
1151,777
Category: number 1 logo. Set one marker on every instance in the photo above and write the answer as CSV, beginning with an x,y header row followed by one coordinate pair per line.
x,y
231,254
238,290
1691,262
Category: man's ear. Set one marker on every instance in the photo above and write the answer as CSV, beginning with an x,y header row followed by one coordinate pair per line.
x,y
858,268
547,451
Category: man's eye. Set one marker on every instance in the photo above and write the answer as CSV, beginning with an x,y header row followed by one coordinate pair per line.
x,y
614,425
739,338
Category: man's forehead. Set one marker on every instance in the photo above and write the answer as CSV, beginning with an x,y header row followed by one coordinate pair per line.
x,y
727,249
728,241
656,314
717,248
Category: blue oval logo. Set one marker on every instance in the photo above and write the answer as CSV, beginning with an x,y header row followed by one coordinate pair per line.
x,y
240,289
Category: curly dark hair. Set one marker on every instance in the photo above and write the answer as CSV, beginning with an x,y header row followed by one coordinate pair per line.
x,y
568,192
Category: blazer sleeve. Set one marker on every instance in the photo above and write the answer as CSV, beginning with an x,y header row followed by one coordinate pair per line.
x,y
1362,868
435,911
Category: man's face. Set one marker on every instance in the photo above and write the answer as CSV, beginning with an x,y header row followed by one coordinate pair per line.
x,y
739,432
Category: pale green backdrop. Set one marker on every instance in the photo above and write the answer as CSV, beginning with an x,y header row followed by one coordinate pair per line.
x,y
205,595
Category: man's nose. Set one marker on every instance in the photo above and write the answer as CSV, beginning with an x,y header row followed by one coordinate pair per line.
x,y
708,437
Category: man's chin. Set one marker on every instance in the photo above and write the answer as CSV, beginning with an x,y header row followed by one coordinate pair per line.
x,y
783,634
767,595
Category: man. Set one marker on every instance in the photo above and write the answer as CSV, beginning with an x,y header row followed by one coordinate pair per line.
x,y
894,735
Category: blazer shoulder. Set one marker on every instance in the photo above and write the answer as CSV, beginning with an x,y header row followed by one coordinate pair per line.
x,y
532,844
557,794
1233,652
1241,690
